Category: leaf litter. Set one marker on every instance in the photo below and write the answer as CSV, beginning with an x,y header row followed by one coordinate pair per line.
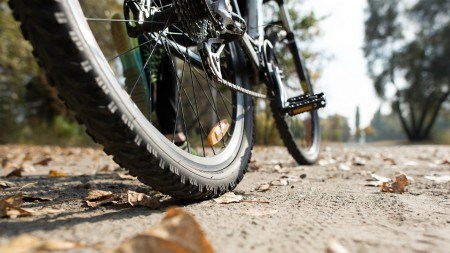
x,y
29,244
177,232
97,198
44,161
229,198
56,174
11,207
396,185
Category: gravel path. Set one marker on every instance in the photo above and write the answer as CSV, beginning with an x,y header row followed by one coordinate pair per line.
x,y
285,207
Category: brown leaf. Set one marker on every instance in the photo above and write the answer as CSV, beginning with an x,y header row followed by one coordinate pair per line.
x,y
14,200
97,197
140,199
6,184
10,207
16,212
262,188
55,173
27,244
398,186
178,232
44,162
228,198
15,173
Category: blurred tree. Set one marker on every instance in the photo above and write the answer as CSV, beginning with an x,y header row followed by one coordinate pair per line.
x,y
17,67
26,99
407,45
384,127
335,128
357,125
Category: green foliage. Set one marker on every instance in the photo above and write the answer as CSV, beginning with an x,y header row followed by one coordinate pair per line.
x,y
441,130
59,131
266,132
384,127
335,128
407,46
17,67
357,124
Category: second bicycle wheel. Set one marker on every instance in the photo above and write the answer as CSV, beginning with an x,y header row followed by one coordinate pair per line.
x,y
300,133
148,101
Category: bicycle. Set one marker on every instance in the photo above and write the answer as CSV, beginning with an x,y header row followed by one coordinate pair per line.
x,y
218,54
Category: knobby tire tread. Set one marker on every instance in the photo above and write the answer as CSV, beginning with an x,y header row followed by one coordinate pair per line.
x,y
58,54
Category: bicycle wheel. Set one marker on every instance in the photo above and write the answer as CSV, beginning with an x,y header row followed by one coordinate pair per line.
x,y
99,74
300,133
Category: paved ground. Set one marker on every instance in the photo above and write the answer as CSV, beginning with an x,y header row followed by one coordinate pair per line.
x,y
304,209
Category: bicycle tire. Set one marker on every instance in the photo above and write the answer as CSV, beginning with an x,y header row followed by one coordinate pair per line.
x,y
63,44
304,146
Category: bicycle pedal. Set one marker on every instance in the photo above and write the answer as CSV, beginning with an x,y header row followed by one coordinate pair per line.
x,y
305,103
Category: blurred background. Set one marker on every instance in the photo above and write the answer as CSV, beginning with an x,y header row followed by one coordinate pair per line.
x,y
384,66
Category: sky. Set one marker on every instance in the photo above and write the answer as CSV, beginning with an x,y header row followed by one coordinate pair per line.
x,y
344,78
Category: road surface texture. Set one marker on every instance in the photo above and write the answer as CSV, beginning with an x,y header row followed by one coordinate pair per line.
x,y
285,207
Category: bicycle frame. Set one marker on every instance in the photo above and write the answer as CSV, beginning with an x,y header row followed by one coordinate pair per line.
x,y
252,41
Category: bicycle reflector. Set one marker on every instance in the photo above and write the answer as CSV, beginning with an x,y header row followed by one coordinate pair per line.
x,y
218,132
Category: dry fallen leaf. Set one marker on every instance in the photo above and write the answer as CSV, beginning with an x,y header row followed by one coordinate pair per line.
x,y
29,244
44,162
262,188
10,207
15,173
397,186
6,184
97,197
141,199
228,198
55,173
178,232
